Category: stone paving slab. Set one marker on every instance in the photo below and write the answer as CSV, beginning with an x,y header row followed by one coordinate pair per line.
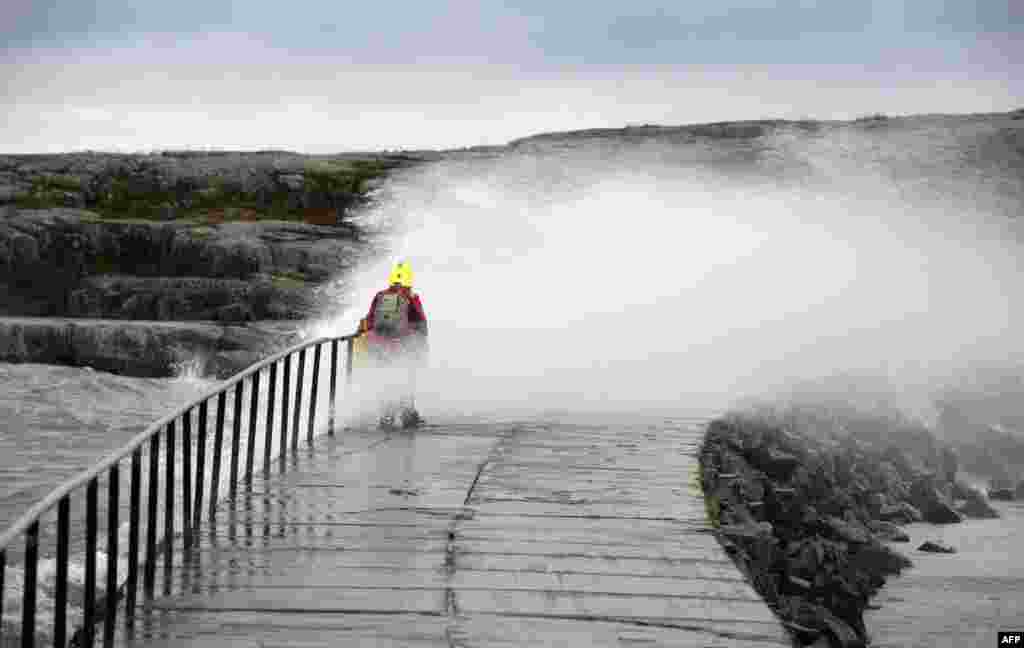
x,y
533,534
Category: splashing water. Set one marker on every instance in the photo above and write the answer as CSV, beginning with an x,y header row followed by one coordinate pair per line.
x,y
612,274
191,371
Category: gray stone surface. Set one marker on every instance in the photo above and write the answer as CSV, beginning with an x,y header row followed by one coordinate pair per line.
x,y
141,348
532,534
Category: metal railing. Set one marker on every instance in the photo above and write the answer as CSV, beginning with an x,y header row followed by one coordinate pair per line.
x,y
186,494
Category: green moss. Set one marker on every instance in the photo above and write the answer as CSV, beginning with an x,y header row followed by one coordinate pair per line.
x,y
288,279
134,197
712,507
49,191
348,176
714,510
62,183
127,197
104,265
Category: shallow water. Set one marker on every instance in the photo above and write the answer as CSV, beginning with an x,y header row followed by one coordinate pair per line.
x,y
61,421
959,599
58,421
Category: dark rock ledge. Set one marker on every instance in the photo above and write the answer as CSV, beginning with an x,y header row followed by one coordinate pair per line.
x,y
806,517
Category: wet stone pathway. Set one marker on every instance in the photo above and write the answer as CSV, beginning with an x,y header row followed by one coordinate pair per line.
x,y
468,535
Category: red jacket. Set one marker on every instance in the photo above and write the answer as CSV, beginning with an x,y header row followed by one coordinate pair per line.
x,y
417,318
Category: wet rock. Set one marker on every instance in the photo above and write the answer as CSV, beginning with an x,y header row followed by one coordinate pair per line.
x,y
941,513
891,481
887,531
950,464
876,558
811,615
976,506
776,464
1019,491
293,181
756,542
234,313
139,307
851,532
85,303
806,557
961,491
23,250
737,516
74,199
840,633
820,549
171,307
806,636
936,547
748,531
10,193
137,349
876,502
1001,494
934,504
901,513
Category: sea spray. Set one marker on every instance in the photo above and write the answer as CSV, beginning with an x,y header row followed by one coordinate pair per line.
x,y
613,272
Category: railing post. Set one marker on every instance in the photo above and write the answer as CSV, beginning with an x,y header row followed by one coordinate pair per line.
x,y
271,393
28,601
197,510
236,435
254,408
110,592
284,404
169,507
299,384
89,605
149,574
60,608
218,441
313,393
333,381
3,573
348,364
133,539
186,482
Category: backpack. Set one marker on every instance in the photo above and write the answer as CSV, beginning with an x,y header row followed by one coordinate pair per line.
x,y
391,314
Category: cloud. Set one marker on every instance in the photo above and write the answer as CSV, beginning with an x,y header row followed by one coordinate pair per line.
x,y
463,73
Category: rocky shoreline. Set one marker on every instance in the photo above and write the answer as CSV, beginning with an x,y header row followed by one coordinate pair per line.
x,y
805,501
221,241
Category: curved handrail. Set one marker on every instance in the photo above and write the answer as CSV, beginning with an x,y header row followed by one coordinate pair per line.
x,y
32,515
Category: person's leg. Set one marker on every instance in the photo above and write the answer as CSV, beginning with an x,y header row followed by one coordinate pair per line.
x,y
410,417
385,389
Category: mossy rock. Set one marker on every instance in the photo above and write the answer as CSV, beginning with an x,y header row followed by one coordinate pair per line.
x,y
52,191
289,279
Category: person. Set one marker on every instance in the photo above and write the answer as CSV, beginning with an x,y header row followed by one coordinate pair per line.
x,y
396,338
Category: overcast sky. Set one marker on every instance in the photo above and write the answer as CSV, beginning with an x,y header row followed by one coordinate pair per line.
x,y
323,76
